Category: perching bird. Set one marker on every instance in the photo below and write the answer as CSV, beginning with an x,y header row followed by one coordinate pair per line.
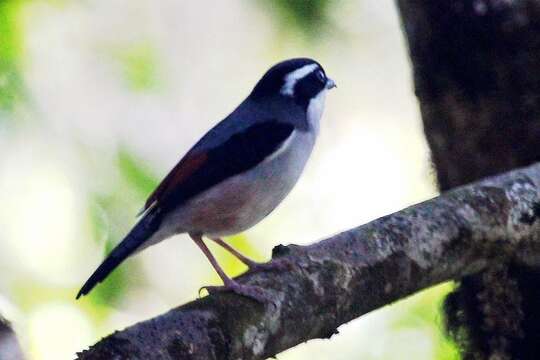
x,y
237,173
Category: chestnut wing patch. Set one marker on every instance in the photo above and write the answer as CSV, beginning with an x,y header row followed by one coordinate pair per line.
x,y
198,172
187,166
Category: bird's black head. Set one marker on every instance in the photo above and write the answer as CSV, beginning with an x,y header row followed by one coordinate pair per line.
x,y
300,79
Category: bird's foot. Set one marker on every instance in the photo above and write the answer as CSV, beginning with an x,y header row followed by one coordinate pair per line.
x,y
250,291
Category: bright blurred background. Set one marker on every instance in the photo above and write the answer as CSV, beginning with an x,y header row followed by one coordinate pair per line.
x,y
100,98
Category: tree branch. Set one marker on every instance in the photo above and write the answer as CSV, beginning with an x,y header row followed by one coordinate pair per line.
x,y
343,277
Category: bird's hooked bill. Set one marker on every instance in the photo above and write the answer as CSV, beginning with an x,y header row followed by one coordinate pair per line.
x,y
330,84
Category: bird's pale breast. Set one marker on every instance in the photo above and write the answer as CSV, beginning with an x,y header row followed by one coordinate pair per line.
x,y
240,202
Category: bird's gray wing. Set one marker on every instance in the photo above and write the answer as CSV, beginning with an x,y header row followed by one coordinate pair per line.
x,y
201,169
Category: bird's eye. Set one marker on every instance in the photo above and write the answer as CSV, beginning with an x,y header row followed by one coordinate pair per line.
x,y
321,77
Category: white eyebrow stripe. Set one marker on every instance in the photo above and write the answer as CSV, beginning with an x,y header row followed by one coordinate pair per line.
x,y
292,78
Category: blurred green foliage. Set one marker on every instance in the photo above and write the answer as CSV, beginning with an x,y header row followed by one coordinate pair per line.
x,y
11,44
310,17
111,215
139,64
423,310
135,173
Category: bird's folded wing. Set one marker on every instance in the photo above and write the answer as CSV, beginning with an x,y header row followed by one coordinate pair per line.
x,y
200,170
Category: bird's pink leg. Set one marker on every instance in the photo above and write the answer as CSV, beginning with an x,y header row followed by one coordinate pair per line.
x,y
253,292
251,264
199,241
244,259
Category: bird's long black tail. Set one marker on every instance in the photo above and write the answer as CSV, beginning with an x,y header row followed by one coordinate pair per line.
x,y
141,232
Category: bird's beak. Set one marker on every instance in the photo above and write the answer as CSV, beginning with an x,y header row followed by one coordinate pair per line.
x,y
330,84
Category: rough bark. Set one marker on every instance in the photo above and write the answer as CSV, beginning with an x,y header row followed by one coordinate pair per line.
x,y
476,70
9,345
338,279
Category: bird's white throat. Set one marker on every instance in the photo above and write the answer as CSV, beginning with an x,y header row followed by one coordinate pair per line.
x,y
315,110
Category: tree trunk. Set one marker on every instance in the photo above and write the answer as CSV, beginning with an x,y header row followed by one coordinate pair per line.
x,y
477,78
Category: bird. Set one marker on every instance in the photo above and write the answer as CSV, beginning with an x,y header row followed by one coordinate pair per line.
x,y
236,174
